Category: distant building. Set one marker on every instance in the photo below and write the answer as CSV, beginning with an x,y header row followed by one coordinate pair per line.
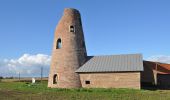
x,y
72,68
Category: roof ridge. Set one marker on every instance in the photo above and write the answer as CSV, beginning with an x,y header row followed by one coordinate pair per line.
x,y
115,55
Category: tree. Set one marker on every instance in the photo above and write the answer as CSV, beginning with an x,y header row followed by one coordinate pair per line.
x,y
1,78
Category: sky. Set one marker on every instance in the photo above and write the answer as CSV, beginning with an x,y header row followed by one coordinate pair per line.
x,y
110,27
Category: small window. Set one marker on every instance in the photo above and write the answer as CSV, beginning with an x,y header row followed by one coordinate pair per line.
x,y
58,46
87,82
72,28
83,44
55,79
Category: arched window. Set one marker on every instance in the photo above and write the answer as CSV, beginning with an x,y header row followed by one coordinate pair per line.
x,y
72,28
58,46
55,79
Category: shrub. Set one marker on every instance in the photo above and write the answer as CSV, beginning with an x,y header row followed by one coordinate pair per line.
x,y
1,77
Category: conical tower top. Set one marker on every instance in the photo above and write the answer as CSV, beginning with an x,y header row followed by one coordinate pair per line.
x,y
71,11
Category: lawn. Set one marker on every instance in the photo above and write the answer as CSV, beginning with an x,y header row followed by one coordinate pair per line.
x,y
39,91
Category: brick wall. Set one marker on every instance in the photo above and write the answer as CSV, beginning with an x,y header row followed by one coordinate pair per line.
x,y
111,80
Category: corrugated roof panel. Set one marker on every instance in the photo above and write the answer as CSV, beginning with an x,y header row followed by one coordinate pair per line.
x,y
113,63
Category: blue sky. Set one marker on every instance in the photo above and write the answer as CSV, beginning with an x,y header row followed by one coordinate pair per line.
x,y
110,26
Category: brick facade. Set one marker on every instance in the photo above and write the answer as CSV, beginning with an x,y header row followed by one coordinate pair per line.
x,y
111,80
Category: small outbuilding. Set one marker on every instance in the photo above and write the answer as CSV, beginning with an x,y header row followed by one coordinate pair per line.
x,y
112,71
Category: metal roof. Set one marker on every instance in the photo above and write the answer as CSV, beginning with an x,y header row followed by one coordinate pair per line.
x,y
113,63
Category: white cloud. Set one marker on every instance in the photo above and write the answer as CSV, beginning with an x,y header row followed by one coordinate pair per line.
x,y
160,58
27,65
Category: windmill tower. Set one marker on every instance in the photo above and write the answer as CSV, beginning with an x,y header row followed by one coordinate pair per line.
x,y
69,51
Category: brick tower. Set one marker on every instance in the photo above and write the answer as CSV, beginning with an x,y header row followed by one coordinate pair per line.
x,y
69,51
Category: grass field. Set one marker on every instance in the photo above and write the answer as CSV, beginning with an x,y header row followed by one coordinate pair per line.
x,y
39,91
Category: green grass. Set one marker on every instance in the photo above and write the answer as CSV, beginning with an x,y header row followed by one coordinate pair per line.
x,y
27,91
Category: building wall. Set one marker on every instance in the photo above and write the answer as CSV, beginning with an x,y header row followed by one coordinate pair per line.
x,y
111,80
147,76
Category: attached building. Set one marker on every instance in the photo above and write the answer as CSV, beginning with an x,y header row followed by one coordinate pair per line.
x,y
157,74
113,71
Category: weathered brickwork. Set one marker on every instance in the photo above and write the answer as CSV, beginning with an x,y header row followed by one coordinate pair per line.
x,y
111,80
72,53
